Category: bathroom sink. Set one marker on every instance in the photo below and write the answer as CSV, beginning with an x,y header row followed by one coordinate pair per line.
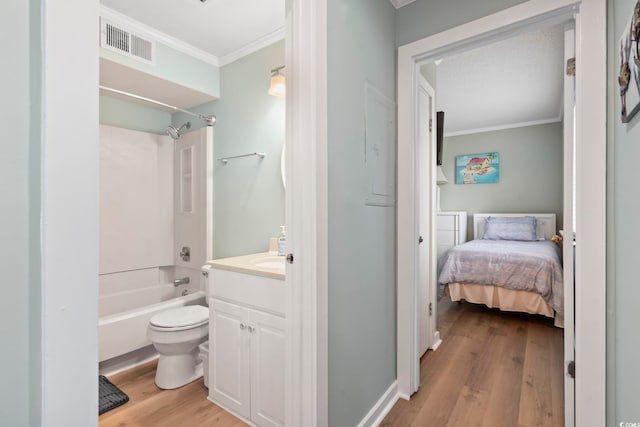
x,y
272,262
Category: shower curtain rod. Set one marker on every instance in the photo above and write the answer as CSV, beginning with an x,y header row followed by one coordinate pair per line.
x,y
209,119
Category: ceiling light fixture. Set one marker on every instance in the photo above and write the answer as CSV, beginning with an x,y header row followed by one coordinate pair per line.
x,y
277,87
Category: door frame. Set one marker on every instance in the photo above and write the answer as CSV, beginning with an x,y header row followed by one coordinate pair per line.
x,y
427,201
590,21
307,213
568,223
66,301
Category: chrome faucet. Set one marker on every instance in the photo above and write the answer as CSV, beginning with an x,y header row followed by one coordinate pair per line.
x,y
183,281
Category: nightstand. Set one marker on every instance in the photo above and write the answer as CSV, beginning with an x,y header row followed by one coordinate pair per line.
x,y
451,230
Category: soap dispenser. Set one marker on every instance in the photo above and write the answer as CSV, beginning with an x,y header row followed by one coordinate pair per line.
x,y
282,241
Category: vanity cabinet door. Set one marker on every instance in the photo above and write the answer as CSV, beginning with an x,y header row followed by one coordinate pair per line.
x,y
229,347
268,344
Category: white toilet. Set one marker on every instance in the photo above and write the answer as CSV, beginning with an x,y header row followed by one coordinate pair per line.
x,y
176,334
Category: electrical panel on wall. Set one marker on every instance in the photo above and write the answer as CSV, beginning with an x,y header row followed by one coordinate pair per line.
x,y
380,156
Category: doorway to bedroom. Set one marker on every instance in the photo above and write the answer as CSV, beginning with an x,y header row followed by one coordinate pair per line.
x,y
499,156
561,164
498,195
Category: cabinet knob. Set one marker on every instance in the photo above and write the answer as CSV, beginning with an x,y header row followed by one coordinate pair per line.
x,y
251,329
243,326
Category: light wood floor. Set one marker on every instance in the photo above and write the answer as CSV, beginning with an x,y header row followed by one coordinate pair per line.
x,y
493,369
150,406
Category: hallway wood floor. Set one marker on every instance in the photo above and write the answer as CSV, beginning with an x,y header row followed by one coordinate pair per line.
x,y
149,406
493,369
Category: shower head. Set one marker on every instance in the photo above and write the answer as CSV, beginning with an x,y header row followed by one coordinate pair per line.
x,y
174,132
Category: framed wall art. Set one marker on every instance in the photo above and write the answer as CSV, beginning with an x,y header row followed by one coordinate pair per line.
x,y
629,66
481,168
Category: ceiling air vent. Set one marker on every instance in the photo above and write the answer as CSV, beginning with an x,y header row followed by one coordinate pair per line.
x,y
116,38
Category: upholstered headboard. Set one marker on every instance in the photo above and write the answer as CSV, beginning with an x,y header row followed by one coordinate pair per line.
x,y
546,223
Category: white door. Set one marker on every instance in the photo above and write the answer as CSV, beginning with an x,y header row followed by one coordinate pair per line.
x,y
569,229
425,304
192,197
268,355
229,347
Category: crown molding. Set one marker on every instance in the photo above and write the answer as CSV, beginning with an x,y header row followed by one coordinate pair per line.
x,y
504,127
399,3
254,46
172,42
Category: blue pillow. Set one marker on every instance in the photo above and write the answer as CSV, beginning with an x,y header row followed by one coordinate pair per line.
x,y
510,228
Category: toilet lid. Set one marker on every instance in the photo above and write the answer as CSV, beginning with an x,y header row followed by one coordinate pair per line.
x,y
190,315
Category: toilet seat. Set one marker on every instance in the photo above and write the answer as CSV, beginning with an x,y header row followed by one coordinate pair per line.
x,y
181,318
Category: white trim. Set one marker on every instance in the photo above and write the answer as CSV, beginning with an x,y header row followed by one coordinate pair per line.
x,y
437,340
427,204
144,30
167,40
568,214
400,3
69,216
504,127
306,213
591,178
252,47
591,155
382,407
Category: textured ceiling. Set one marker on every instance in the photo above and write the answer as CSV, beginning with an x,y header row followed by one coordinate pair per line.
x,y
218,27
511,82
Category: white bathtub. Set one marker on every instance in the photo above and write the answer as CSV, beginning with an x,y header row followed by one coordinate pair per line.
x,y
124,316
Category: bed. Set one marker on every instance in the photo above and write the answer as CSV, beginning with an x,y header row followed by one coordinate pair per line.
x,y
511,264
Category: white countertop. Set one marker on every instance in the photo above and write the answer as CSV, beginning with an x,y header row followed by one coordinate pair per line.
x,y
265,264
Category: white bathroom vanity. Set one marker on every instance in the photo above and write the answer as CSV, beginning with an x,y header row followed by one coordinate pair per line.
x,y
248,337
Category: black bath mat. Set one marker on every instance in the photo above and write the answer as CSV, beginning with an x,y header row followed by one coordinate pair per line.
x,y
110,395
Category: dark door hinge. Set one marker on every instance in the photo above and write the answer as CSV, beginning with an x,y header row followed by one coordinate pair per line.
x,y
571,67
430,309
571,369
290,258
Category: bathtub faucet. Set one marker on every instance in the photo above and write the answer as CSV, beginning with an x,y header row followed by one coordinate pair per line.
x,y
183,281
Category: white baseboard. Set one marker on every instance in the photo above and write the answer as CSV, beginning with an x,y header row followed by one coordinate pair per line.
x,y
381,408
127,361
436,341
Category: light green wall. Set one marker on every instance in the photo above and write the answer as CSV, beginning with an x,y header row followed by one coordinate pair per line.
x,y
362,315
174,66
623,235
170,65
19,155
531,172
127,115
248,194
423,18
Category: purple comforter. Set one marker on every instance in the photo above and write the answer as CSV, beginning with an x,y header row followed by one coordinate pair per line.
x,y
528,266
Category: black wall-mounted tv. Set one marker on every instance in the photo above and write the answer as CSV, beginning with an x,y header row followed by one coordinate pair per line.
x,y
439,136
